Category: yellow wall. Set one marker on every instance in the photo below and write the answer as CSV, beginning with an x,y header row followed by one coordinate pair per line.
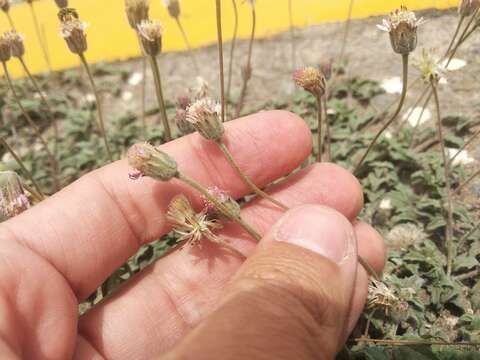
x,y
110,38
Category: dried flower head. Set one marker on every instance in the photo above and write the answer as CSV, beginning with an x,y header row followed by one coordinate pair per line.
x,y
73,31
67,14
402,26
5,49
201,89
430,65
16,43
150,32
173,7
223,198
182,123
137,11
61,3
468,7
13,200
5,5
404,236
311,80
150,161
380,295
191,227
204,115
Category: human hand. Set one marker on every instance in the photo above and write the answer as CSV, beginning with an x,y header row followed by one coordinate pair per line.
x,y
286,301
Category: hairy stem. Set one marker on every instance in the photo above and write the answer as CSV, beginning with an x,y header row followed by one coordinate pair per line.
x,y
232,48
39,37
101,121
417,124
327,128
467,182
35,128
412,109
466,145
446,166
218,205
218,5
187,44
26,172
414,342
248,68
160,98
245,178
143,100
394,116
457,30
292,34
10,21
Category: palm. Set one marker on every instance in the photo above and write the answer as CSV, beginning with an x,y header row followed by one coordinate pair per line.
x,y
57,253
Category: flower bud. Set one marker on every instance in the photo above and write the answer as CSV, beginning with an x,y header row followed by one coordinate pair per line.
x,y
61,3
182,123
13,200
311,80
73,33
151,161
150,32
430,65
5,49
137,11
223,198
173,7
17,47
466,8
204,115
402,26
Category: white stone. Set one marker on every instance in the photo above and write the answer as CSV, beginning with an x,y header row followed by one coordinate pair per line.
x,y
127,96
414,113
386,204
455,64
463,158
135,79
392,85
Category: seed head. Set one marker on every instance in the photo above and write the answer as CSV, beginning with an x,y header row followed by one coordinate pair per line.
x,y
380,295
13,200
402,26
5,5
204,115
173,7
150,32
17,47
223,198
468,7
430,65
312,80
73,31
137,11
61,3
191,227
150,161
5,49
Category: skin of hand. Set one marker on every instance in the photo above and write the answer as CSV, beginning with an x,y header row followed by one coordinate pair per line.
x,y
297,296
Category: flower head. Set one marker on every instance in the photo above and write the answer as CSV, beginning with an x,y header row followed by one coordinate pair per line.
x,y
224,199
150,32
173,7
430,65
402,26
468,7
16,43
5,5
380,295
311,80
73,31
13,200
182,123
137,11
61,3
150,161
5,49
67,14
191,227
204,115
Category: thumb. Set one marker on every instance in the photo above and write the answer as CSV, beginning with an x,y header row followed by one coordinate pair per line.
x,y
290,299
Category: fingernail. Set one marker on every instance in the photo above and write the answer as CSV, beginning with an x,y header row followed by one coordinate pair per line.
x,y
318,229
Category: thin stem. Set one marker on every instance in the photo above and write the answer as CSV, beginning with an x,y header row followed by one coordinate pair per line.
x,y
468,276
245,178
36,130
39,37
417,124
218,205
232,48
248,68
159,93
327,126
292,34
467,235
467,182
449,229
414,342
143,100
26,172
35,195
187,43
392,119
414,106
463,37
42,97
466,145
347,30
10,21
220,56
457,30
368,268
320,125
99,105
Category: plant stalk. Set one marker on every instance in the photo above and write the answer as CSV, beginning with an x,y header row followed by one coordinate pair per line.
x,y
347,31
292,34
417,125
99,105
320,130
10,21
245,178
232,48
394,116
187,44
466,145
327,127
457,30
467,182
39,37
218,5
449,229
